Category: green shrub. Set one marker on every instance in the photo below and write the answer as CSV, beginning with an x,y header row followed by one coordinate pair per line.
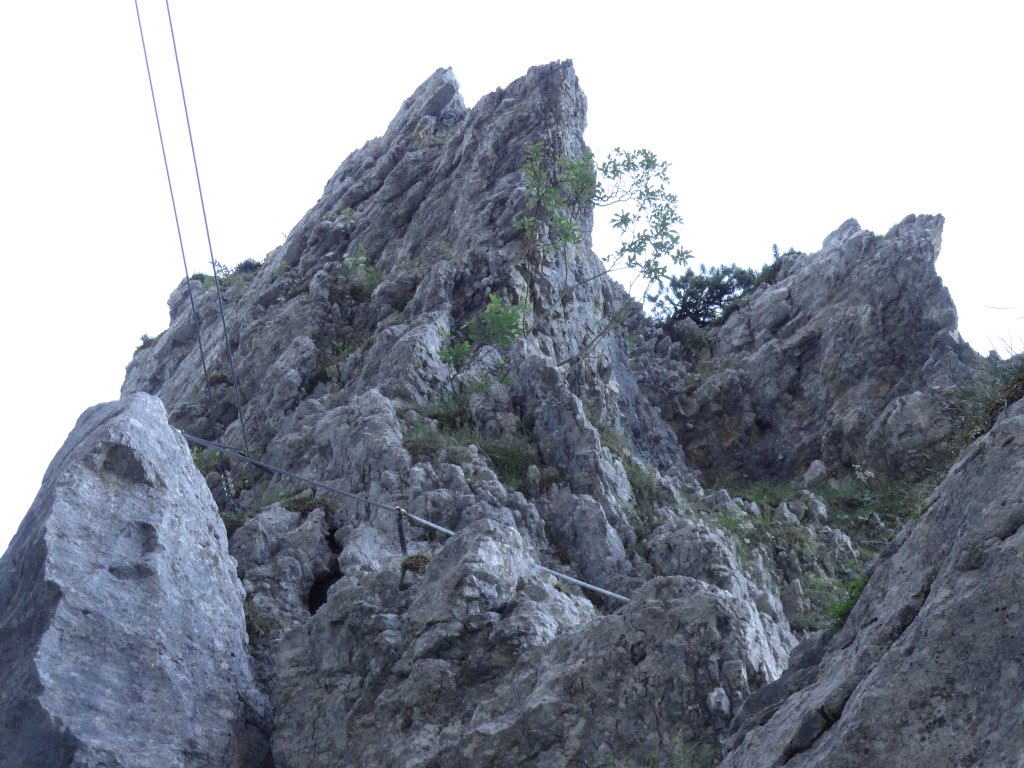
x,y
258,623
450,410
149,341
499,324
219,377
840,610
233,520
647,496
359,273
509,455
331,357
455,355
207,460
766,493
560,189
305,504
708,297
249,265
820,592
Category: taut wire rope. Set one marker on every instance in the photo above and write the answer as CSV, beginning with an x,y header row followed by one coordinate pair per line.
x,y
209,241
174,207
244,455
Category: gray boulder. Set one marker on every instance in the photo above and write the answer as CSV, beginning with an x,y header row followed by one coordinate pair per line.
x,y
929,668
122,636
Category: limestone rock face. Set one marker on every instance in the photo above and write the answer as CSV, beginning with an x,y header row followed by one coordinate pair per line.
x,y
122,637
485,662
849,358
928,668
570,447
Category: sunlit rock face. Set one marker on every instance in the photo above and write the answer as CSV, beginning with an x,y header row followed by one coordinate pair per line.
x,y
122,631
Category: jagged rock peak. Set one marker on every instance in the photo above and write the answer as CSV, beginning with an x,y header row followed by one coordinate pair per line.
x,y
848,357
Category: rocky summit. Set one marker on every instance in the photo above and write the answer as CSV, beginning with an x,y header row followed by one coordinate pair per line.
x,y
453,499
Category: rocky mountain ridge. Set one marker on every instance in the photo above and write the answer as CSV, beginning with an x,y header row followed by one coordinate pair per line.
x,y
587,449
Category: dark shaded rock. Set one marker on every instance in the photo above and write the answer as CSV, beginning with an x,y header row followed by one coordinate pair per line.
x,y
929,664
122,637
850,357
419,659
281,560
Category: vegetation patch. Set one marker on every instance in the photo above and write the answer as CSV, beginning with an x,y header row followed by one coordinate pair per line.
x,y
304,504
336,353
648,495
233,519
148,341
258,623
559,189
977,404
857,508
451,409
499,324
827,601
238,278
839,610
711,294
509,455
868,510
207,460
359,274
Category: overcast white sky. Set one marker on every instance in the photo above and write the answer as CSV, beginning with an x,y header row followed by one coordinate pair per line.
x,y
780,120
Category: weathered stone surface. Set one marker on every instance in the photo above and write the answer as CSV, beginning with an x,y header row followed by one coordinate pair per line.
x,y
929,666
636,685
482,661
849,357
122,637
282,560
564,447
382,676
682,547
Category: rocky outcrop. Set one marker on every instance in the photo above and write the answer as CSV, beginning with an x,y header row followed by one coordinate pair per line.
x,y
413,233
849,357
486,661
342,343
558,446
929,666
122,635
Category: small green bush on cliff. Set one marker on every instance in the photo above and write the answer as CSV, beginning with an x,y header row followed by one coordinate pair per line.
x,y
635,183
498,324
708,297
